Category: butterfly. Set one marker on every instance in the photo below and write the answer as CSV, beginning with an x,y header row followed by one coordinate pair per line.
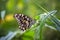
x,y
24,21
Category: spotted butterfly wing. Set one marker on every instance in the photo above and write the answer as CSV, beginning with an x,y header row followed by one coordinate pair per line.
x,y
24,21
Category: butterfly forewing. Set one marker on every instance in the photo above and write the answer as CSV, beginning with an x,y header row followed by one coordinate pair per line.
x,y
24,21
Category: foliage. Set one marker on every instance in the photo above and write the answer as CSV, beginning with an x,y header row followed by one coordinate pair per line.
x,y
44,12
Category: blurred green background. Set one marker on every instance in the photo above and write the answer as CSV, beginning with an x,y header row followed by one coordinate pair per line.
x,y
30,8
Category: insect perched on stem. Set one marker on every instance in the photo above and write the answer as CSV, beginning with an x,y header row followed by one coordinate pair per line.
x,y
24,21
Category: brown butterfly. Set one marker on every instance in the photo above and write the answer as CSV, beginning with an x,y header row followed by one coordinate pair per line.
x,y
24,21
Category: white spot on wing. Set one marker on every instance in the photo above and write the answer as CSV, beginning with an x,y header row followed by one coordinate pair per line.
x,y
25,16
23,28
15,15
19,14
22,25
22,15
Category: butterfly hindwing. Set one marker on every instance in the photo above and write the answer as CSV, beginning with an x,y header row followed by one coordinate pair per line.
x,y
24,21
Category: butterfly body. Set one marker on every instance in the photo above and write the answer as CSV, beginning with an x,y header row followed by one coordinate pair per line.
x,y
24,21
